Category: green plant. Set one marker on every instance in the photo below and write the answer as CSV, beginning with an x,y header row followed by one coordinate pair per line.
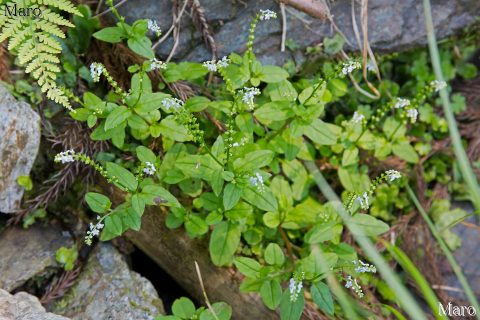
x,y
34,40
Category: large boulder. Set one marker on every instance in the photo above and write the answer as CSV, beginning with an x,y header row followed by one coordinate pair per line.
x,y
393,25
23,306
20,139
26,253
108,289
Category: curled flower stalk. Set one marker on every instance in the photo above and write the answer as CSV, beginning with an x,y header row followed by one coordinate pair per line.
x,y
263,15
98,69
352,283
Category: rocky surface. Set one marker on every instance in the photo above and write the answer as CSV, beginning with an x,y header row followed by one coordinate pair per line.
x,y
19,143
23,306
26,253
393,25
108,289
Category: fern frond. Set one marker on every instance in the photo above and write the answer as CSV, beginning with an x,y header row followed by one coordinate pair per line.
x,y
34,40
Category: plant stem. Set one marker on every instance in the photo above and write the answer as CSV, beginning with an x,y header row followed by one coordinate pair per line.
x,y
463,162
451,259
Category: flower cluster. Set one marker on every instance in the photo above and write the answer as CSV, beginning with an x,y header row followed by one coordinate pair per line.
x,y
352,283
149,168
412,114
96,70
242,142
94,231
362,267
267,14
364,201
350,66
257,181
157,64
248,96
438,85
392,175
172,103
401,103
358,117
65,157
153,26
296,286
213,65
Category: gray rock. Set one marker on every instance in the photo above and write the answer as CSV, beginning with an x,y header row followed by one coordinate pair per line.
x,y
20,132
23,306
25,253
393,25
108,289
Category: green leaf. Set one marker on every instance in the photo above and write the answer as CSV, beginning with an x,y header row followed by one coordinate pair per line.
x,y
291,310
369,225
224,241
145,155
196,225
248,267
155,195
142,46
231,195
322,133
263,200
117,116
121,176
222,312
172,130
25,182
350,156
271,74
324,232
274,255
149,102
254,160
322,296
273,111
405,151
67,257
271,293
98,202
111,34
119,221
138,204
183,308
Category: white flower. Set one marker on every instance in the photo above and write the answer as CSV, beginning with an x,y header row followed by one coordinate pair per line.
x,y
412,114
363,267
223,63
149,168
65,157
213,65
94,231
156,64
370,65
393,174
153,26
438,85
357,117
242,142
401,103
350,66
248,96
172,103
96,70
364,201
352,283
267,14
257,181
296,286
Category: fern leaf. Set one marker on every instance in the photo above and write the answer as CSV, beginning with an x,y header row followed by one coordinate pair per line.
x,y
56,18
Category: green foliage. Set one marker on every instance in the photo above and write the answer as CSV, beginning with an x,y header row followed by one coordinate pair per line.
x,y
25,182
67,257
184,309
34,40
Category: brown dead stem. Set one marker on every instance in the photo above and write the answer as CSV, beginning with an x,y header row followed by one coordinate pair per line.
x,y
201,23
4,65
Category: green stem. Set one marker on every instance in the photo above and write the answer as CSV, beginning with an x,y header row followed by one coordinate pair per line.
x,y
406,300
451,259
463,162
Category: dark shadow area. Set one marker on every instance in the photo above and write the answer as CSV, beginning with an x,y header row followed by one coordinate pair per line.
x,y
168,289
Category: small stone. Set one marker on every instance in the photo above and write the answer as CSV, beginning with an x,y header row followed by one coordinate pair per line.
x,y
19,143
108,289
26,253
23,306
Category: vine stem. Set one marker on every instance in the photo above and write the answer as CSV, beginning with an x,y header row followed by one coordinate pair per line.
x,y
463,162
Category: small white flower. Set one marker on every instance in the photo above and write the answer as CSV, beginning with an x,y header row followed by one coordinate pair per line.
x,y
364,201
370,65
210,65
412,114
257,181
363,267
352,283
65,157
157,64
223,63
296,286
249,95
393,174
94,231
357,117
153,26
401,103
172,103
350,66
96,70
149,168
438,85
267,14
